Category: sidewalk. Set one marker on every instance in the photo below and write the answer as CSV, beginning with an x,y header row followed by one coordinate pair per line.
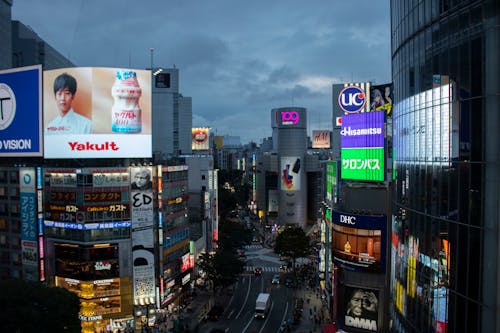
x,y
314,313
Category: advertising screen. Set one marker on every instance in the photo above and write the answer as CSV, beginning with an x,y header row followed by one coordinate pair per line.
x,y
381,98
142,215
331,181
29,233
290,173
359,241
321,139
97,113
426,127
20,108
363,164
361,308
363,130
200,138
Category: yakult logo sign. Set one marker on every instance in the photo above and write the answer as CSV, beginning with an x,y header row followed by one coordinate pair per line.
x,y
352,99
289,117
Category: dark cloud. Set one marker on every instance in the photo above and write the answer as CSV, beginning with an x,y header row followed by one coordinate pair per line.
x,y
237,59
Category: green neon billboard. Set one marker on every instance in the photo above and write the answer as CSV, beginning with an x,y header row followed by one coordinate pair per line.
x,y
362,164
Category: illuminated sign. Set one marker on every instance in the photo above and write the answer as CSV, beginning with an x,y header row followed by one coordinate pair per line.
x,y
426,127
102,265
363,130
289,117
331,181
290,173
361,307
352,99
105,114
200,138
358,241
321,139
20,109
88,226
363,164
362,147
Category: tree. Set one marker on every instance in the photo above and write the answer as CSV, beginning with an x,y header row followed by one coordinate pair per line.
x,y
34,307
294,243
222,268
233,235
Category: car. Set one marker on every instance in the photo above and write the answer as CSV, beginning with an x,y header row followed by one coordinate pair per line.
x,y
215,312
257,270
276,279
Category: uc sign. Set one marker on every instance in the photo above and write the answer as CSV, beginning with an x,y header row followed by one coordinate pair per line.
x,y
352,99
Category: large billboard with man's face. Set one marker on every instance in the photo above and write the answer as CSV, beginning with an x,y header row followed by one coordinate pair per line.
x,y
20,111
361,308
97,113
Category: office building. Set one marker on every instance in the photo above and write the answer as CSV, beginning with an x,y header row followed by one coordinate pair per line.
x,y
445,230
5,34
172,115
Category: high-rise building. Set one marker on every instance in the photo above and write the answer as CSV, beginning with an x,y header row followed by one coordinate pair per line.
x,y
172,115
29,49
5,34
445,232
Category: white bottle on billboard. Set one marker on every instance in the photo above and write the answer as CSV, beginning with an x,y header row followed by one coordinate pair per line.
x,y
126,112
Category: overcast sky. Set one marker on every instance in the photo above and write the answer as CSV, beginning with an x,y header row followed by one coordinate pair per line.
x,y
237,59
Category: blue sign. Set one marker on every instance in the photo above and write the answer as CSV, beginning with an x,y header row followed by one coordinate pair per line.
x,y
352,99
20,112
88,226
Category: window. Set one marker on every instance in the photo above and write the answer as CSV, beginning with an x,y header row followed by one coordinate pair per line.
x,y
162,80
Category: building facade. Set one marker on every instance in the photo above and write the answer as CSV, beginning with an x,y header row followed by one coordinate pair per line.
x,y
446,73
172,115
6,34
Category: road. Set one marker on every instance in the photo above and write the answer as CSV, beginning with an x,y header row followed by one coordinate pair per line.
x,y
238,316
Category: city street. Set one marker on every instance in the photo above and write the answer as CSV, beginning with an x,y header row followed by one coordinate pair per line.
x,y
300,308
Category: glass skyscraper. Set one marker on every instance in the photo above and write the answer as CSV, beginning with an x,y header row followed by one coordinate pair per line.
x,y
446,133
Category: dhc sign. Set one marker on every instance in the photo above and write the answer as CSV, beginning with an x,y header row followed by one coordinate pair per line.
x,y
352,99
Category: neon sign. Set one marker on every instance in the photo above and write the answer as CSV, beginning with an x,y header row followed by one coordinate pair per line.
x,y
289,117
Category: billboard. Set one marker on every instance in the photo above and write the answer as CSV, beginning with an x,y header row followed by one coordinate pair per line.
x,y
142,216
359,241
290,173
20,111
331,181
321,139
361,307
426,128
93,112
293,117
29,222
381,97
363,130
350,98
199,136
362,146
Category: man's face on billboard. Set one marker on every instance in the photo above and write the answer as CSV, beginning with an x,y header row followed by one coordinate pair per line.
x,y
64,98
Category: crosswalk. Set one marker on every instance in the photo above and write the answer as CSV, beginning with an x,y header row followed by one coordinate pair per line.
x,y
253,247
271,269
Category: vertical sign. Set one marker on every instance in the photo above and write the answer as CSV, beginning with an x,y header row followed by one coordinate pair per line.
x,y
142,214
28,203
